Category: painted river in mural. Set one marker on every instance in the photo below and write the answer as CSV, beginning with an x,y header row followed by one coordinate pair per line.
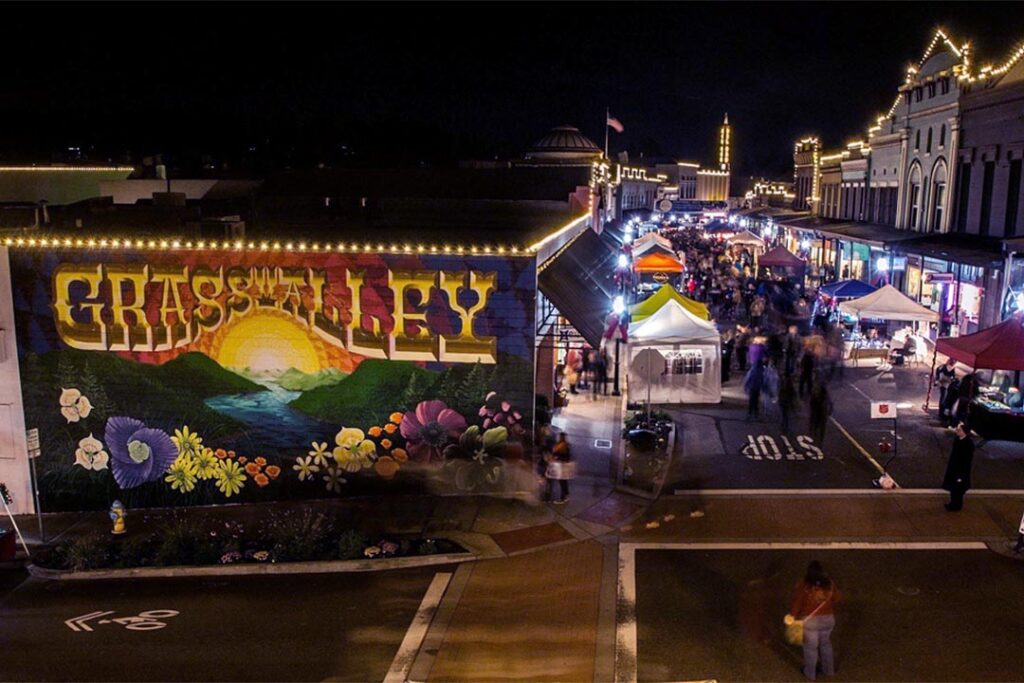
x,y
272,422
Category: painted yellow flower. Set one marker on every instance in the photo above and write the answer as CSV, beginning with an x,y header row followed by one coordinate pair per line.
x,y
188,443
306,467
354,449
230,478
319,453
182,474
206,463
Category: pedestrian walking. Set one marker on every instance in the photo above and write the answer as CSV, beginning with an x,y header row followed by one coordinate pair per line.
x,y
600,371
813,606
787,400
968,392
943,378
756,310
742,343
561,468
728,344
753,383
806,371
958,470
821,409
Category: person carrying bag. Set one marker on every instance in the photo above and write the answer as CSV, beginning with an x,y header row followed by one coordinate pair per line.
x,y
560,468
811,619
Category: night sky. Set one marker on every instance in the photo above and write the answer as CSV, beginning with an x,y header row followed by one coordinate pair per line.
x,y
255,84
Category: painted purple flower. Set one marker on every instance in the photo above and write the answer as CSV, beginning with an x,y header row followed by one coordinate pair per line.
x,y
428,429
137,453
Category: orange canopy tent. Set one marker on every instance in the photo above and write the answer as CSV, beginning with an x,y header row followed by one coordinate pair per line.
x,y
658,262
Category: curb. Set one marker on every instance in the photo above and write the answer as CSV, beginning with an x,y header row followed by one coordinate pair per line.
x,y
314,567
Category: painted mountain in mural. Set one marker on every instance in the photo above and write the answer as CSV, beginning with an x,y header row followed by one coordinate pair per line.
x,y
297,380
373,391
202,376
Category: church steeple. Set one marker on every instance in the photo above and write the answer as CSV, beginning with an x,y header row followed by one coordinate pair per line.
x,y
724,144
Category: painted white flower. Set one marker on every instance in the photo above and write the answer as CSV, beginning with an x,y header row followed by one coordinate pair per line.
x,y
90,454
74,406
333,479
306,467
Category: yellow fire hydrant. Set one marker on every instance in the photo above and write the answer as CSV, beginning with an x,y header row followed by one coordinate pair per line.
x,y
118,515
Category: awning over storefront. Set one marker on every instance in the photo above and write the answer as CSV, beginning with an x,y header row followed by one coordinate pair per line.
x,y
865,233
969,250
579,281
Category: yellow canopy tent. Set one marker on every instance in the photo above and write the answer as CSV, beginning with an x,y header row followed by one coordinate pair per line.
x,y
665,293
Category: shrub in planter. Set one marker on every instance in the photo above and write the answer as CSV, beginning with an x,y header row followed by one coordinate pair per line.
x,y
88,552
297,535
351,544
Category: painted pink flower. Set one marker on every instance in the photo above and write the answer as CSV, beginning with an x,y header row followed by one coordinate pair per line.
x,y
428,429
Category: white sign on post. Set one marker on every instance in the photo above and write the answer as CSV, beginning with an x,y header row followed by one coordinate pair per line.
x,y
32,437
883,410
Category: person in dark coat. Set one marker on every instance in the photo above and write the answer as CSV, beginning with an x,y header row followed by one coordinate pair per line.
x,y
821,409
968,392
952,396
958,471
943,378
787,400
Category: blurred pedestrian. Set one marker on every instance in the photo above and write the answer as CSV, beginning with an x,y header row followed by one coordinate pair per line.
x,y
943,378
958,470
821,409
787,400
813,603
807,361
560,468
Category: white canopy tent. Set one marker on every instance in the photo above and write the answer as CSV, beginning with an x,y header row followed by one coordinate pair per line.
x,y
746,238
674,357
652,237
888,303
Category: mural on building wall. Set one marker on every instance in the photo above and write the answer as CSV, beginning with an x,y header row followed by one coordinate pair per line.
x,y
198,377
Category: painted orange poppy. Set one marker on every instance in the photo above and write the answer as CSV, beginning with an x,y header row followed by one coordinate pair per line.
x,y
273,471
386,467
253,469
242,459
261,480
390,428
374,431
220,453
261,461
385,443
400,455
396,417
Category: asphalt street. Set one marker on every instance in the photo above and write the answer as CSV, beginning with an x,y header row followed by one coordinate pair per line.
x,y
906,615
720,448
273,628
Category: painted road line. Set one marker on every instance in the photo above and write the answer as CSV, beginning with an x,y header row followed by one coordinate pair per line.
x,y
403,660
626,627
840,492
856,444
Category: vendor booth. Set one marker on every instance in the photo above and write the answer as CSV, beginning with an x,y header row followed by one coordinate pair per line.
x,y
997,413
846,289
666,293
746,239
781,263
657,268
674,357
885,304
655,246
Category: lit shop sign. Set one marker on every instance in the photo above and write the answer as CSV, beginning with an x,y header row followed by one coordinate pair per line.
x,y
895,264
938,278
396,314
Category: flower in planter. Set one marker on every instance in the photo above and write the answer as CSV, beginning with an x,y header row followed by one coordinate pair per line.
x,y
428,429
206,464
187,442
388,548
372,551
73,405
90,454
138,453
182,474
261,556
230,479
306,467
231,557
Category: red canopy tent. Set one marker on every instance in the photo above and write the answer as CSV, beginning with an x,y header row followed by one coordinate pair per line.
x,y
780,257
1000,347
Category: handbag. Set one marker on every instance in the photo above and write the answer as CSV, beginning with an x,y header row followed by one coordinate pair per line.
x,y
795,627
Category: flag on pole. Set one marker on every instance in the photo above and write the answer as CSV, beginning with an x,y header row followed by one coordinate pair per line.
x,y
616,124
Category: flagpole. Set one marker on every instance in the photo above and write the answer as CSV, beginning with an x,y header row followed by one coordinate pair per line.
x,y
607,114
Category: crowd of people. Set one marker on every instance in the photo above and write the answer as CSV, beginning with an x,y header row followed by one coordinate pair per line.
x,y
786,351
